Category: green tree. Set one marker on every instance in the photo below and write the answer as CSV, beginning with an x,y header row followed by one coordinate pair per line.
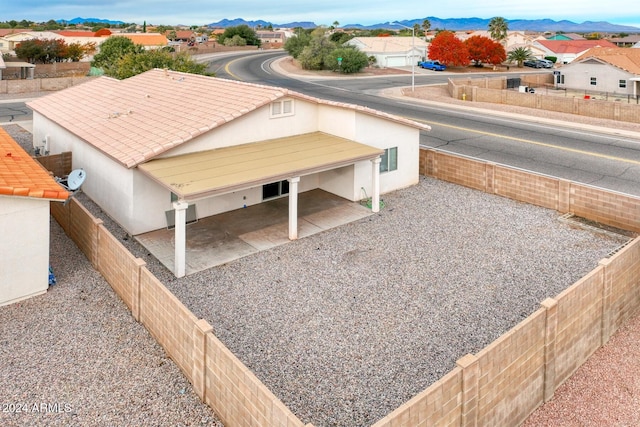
x,y
30,51
112,49
44,51
76,51
498,28
340,37
236,40
519,55
52,25
353,60
243,31
312,56
13,23
132,63
295,44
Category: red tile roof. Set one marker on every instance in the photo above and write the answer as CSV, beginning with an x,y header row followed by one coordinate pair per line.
x,y
627,59
139,118
21,175
573,46
68,33
145,39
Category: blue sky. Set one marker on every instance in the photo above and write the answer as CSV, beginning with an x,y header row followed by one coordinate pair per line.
x,y
199,12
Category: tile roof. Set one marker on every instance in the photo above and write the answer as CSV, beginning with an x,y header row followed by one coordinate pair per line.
x,y
389,44
145,39
68,33
21,175
624,58
573,46
139,118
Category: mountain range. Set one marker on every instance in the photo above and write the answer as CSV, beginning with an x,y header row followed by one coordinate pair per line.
x,y
453,24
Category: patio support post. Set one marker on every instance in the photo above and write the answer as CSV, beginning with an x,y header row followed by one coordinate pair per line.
x,y
293,207
180,257
375,172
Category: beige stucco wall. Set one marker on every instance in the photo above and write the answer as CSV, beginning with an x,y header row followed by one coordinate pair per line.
x,y
578,76
24,266
139,204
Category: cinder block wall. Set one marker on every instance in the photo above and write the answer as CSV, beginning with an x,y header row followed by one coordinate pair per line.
x,y
607,207
494,91
219,378
501,385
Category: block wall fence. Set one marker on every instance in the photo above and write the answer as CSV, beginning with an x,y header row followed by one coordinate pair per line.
x,y
500,386
494,90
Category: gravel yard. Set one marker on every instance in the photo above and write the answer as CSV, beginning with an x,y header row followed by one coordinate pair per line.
x,y
346,325
76,356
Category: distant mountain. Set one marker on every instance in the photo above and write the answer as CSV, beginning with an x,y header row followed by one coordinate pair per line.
x,y
458,24
263,24
77,21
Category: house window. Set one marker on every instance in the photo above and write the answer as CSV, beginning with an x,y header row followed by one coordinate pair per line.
x,y
282,108
389,160
593,81
275,189
622,84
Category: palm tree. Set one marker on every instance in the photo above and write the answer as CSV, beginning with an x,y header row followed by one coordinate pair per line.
x,y
498,29
426,25
519,55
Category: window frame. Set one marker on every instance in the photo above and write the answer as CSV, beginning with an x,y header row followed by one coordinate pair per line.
x,y
389,160
282,108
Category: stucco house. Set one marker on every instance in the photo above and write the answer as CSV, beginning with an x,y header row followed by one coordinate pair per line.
x,y
568,50
614,70
26,189
392,51
168,143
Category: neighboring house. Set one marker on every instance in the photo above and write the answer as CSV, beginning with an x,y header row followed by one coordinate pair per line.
x,y
26,189
613,70
514,38
165,140
566,36
150,41
567,50
271,38
627,41
392,51
9,42
181,35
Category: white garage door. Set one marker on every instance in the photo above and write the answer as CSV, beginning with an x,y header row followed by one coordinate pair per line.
x,y
396,61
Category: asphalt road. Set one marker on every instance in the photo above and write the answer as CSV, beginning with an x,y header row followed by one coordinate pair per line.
x,y
601,158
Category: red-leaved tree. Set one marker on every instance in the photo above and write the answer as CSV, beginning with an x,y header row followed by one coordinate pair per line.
x,y
483,49
449,50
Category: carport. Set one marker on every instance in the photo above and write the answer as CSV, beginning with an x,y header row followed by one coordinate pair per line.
x,y
206,174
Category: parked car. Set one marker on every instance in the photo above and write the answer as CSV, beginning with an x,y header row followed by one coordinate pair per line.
x,y
432,65
538,63
545,63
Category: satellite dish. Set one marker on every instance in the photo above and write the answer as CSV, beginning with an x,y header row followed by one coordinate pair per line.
x,y
76,179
